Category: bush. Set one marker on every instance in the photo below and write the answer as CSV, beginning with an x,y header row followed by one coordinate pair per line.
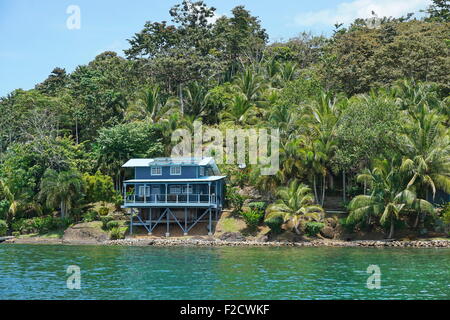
x,y
313,228
446,214
16,234
103,211
3,228
105,221
275,223
112,225
40,224
235,199
90,216
117,233
346,225
252,217
259,206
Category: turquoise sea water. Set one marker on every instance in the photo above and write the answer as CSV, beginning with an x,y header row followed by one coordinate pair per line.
x,y
39,272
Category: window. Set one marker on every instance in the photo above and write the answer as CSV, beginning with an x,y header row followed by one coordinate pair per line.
x,y
175,170
185,189
144,189
175,189
156,171
202,171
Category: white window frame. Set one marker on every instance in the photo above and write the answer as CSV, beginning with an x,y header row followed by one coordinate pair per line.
x,y
172,173
202,171
154,171
185,190
144,190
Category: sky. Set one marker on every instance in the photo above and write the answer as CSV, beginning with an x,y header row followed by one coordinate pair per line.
x,y
37,36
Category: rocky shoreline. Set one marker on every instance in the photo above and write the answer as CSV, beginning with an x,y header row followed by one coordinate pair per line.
x,y
161,242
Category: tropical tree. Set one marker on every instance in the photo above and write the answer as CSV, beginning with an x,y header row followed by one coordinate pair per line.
x,y
295,203
151,105
13,202
240,111
389,196
61,189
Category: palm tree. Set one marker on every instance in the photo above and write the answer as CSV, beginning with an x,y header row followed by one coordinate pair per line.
x,y
427,148
195,101
389,196
240,111
13,202
250,84
296,203
151,105
288,71
61,188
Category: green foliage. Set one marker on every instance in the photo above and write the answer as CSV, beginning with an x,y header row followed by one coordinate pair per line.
x,y
235,200
103,211
99,187
259,206
90,216
105,220
446,214
275,223
117,233
112,225
41,224
3,228
313,228
252,217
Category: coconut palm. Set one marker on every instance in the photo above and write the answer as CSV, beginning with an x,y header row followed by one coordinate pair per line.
x,y
13,202
389,196
61,188
296,204
250,84
151,105
240,111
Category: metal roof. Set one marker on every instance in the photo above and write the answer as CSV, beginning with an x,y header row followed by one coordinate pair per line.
x,y
204,179
168,162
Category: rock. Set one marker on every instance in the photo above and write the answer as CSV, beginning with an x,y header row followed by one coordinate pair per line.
x,y
327,232
232,236
331,222
263,238
85,233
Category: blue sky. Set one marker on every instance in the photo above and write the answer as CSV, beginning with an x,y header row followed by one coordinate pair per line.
x,y
34,37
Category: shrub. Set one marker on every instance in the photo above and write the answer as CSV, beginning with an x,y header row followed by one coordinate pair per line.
x,y
259,206
103,211
252,217
16,234
346,225
3,228
111,225
446,214
117,233
40,224
313,228
235,199
90,216
275,223
105,221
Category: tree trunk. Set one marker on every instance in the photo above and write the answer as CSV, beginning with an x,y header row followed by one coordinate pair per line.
x,y
343,186
63,213
324,182
391,232
181,100
315,189
416,223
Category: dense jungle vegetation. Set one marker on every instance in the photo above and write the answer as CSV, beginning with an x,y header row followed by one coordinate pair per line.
x,y
363,115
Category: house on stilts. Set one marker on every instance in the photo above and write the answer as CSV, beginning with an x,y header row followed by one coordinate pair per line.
x,y
174,192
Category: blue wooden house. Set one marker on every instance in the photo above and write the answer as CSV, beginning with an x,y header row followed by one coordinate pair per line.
x,y
177,192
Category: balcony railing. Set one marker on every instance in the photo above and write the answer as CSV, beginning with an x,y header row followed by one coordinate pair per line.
x,y
171,198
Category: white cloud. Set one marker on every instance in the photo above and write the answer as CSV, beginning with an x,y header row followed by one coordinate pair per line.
x,y
346,12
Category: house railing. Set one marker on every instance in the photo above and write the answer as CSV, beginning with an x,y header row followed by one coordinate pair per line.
x,y
171,198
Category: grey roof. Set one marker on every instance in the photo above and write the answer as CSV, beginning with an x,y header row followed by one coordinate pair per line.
x,y
204,179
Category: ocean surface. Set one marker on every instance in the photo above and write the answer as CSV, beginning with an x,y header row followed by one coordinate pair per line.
x,y
107,272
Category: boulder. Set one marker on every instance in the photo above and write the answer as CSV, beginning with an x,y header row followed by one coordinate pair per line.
x,y
232,236
327,232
